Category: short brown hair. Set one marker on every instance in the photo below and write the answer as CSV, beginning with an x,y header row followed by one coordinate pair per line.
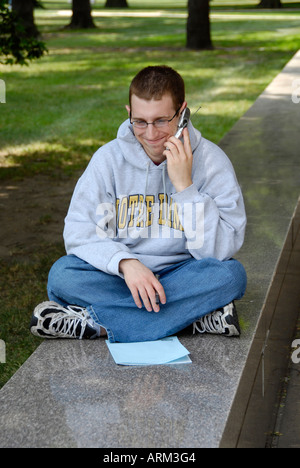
x,y
153,82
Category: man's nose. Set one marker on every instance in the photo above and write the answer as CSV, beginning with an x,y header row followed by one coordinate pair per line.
x,y
151,130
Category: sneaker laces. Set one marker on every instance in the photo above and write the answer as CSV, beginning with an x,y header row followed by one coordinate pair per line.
x,y
65,323
210,323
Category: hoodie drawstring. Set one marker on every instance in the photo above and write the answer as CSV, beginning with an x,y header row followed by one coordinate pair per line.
x,y
143,214
164,184
146,183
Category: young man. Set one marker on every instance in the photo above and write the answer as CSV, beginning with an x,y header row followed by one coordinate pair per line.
x,y
151,230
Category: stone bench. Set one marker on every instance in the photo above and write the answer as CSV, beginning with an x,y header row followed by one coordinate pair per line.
x,y
72,394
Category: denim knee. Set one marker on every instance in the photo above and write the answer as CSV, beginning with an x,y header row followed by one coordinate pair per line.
x,y
57,269
239,274
57,273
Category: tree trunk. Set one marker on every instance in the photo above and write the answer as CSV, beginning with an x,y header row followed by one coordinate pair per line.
x,y
116,4
24,10
198,25
82,15
270,4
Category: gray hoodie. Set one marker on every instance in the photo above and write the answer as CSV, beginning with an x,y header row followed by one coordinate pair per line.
x,y
125,206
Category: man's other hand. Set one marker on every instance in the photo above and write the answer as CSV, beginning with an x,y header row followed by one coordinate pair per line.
x,y
143,284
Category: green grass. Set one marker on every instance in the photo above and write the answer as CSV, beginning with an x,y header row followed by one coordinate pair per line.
x,y
60,109
22,284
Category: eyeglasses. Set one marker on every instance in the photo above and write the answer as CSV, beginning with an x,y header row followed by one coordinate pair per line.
x,y
159,123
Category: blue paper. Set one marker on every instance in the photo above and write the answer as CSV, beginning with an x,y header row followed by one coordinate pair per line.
x,y
165,351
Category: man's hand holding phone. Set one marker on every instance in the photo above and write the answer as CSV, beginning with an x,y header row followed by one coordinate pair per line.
x,y
179,161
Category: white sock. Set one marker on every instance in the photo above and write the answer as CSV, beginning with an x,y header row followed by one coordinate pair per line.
x,y
95,325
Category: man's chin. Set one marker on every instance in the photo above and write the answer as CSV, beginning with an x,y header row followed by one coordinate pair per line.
x,y
157,158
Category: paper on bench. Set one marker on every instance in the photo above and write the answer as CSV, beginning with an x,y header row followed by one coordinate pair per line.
x,y
165,351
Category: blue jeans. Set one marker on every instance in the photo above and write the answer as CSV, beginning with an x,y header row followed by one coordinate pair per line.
x,y
193,288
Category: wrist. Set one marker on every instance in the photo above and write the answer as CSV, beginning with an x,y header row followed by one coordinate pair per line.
x,y
183,186
124,262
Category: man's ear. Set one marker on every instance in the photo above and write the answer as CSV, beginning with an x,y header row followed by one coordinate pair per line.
x,y
184,105
128,110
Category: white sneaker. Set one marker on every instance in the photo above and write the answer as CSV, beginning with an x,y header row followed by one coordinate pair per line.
x,y
222,321
52,320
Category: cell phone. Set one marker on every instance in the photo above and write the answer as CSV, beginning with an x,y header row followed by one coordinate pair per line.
x,y
156,293
183,121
